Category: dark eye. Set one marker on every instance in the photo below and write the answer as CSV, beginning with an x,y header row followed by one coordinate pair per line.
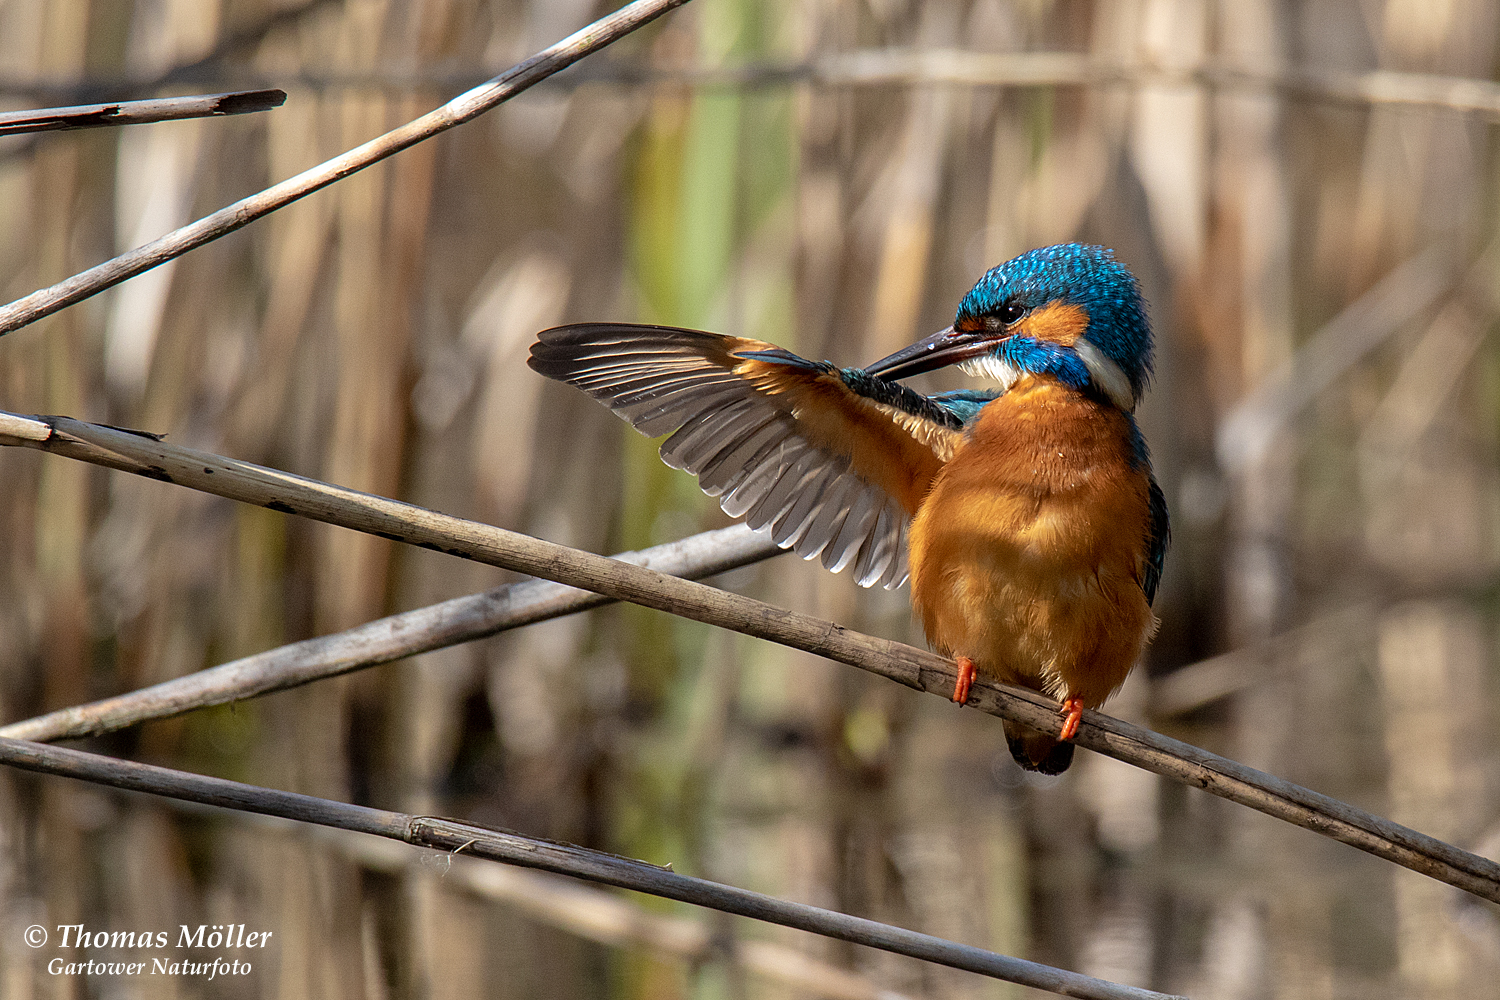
x,y
1011,312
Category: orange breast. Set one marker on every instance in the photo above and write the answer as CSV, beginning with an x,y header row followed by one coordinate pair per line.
x,y
1026,555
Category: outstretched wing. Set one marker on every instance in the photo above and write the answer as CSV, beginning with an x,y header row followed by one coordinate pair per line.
x,y
833,461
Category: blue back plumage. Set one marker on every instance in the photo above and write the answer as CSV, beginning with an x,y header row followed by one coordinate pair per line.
x,y
964,404
1076,274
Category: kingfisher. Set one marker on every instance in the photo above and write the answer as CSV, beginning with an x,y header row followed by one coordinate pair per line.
x,y
1023,510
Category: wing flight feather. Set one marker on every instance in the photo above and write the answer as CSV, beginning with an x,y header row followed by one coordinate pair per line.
x,y
832,462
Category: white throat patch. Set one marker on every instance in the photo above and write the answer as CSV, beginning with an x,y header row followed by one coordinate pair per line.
x,y
987,366
1107,375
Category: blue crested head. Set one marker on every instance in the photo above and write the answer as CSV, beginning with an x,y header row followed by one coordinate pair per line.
x,y
1071,312
1071,274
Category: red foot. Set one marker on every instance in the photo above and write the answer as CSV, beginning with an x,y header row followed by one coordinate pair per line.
x,y
965,680
1072,713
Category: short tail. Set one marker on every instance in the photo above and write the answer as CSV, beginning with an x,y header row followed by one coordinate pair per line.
x,y
1036,751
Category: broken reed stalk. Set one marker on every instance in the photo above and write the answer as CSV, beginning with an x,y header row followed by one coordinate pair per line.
x,y
161,109
226,220
144,454
564,859
437,626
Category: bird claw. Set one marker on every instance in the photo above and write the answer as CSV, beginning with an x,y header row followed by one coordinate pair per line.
x,y
966,672
1072,713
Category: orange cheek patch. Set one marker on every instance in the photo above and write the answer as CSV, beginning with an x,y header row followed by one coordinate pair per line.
x,y
1060,322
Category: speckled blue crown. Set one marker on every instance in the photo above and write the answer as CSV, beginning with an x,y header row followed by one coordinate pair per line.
x,y
1081,275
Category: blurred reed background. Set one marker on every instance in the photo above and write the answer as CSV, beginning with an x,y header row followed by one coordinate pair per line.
x,y
1329,604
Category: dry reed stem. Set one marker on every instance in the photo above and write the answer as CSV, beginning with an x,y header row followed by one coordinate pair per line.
x,y
564,859
448,623
1196,685
958,67
613,920
226,220
162,109
144,454
953,66
1403,295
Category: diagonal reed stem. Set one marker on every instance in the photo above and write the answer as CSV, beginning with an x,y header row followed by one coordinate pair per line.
x,y
144,454
226,220
565,859
437,626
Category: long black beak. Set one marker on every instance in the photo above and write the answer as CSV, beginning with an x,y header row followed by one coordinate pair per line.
x,y
946,347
